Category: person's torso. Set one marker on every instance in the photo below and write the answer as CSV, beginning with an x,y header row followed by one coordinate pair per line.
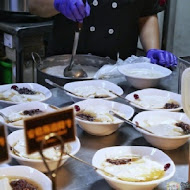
x,y
111,27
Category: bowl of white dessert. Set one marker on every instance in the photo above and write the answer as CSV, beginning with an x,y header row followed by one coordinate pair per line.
x,y
21,177
81,90
133,167
155,99
144,75
17,145
94,117
23,92
17,113
168,130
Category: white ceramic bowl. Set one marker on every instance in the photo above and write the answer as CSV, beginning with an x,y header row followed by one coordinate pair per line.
x,y
102,128
25,172
154,99
144,75
38,164
153,153
161,117
32,86
13,110
93,83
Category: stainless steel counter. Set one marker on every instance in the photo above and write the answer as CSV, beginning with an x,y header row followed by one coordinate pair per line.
x,y
74,175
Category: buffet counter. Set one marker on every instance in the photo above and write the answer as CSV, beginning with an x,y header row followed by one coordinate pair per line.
x,y
74,175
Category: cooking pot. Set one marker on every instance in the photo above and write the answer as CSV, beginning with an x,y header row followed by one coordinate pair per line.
x,y
83,60
14,6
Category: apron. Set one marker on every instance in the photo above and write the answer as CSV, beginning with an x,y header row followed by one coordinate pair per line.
x,y
111,27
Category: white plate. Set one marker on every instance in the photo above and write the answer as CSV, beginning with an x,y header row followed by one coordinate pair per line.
x,y
152,153
95,83
32,86
38,164
154,99
25,172
21,107
157,118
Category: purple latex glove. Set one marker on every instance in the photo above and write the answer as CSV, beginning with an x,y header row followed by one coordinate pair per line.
x,y
75,10
162,57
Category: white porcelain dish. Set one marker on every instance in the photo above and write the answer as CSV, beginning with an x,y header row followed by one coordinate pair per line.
x,y
144,75
15,98
161,120
154,99
25,172
38,164
14,112
89,87
107,124
119,151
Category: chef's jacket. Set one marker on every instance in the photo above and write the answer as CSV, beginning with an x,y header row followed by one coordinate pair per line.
x,y
111,27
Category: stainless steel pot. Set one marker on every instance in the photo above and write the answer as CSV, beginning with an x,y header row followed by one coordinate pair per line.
x,y
14,6
63,60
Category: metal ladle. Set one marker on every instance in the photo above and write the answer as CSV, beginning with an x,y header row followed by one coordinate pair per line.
x,y
73,70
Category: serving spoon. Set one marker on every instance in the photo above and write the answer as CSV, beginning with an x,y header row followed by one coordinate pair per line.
x,y
73,70
128,121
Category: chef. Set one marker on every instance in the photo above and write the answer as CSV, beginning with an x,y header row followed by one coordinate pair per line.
x,y
109,26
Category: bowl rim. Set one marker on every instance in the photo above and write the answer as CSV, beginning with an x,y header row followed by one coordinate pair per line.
x,y
140,91
120,69
157,136
93,81
26,169
95,122
21,107
6,86
157,181
73,152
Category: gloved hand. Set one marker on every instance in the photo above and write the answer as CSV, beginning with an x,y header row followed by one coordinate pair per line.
x,y
162,57
75,10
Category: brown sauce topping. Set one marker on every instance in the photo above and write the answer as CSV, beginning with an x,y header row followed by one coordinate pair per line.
x,y
118,161
22,184
171,105
84,116
32,112
184,126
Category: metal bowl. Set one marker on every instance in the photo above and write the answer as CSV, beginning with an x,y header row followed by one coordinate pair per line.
x,y
62,60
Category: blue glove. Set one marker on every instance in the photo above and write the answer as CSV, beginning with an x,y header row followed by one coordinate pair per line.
x,y
75,10
162,57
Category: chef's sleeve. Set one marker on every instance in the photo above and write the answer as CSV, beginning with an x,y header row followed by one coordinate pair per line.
x,y
152,7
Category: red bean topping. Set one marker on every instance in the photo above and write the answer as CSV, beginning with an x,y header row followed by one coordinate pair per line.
x,y
167,166
118,161
136,96
77,108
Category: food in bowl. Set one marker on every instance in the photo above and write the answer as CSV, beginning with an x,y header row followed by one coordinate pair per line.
x,y
100,113
53,153
92,92
155,102
21,176
93,115
16,118
15,183
21,94
143,73
143,164
170,129
134,168
155,99
165,126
